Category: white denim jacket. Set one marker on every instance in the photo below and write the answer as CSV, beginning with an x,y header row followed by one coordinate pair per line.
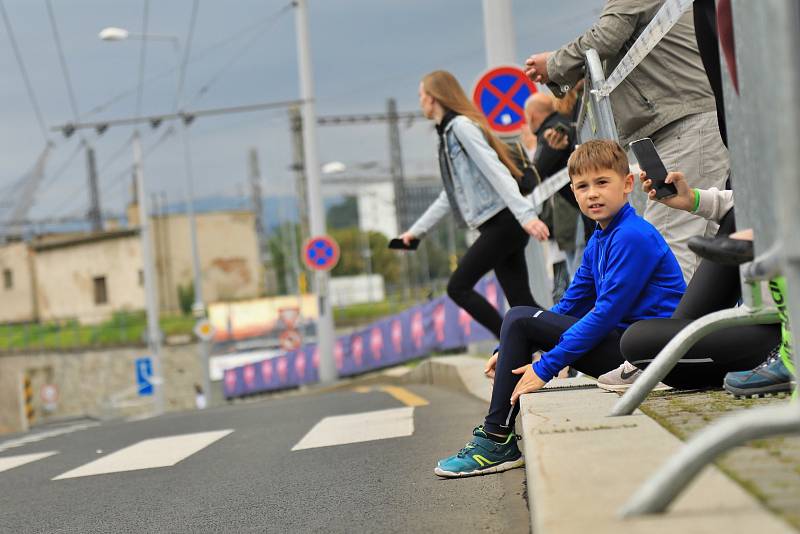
x,y
482,184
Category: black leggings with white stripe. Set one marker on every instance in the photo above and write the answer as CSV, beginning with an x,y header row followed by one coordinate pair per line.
x,y
712,288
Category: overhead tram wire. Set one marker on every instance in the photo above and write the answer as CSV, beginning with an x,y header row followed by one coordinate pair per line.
x,y
73,102
235,36
24,71
240,52
186,54
118,178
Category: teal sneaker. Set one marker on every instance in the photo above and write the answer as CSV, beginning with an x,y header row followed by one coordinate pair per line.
x,y
482,456
771,377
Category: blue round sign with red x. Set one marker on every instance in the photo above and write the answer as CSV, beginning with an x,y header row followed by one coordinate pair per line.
x,y
321,253
500,94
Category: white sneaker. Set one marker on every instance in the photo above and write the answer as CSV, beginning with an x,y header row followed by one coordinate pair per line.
x,y
621,378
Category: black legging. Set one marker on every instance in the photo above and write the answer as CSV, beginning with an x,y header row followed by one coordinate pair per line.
x,y
501,246
526,330
713,288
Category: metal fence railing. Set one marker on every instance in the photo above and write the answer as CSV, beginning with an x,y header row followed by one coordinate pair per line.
x,y
764,156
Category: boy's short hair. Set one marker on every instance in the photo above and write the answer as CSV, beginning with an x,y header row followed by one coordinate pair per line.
x,y
598,154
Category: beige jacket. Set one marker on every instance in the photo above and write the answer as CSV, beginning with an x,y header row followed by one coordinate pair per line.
x,y
670,82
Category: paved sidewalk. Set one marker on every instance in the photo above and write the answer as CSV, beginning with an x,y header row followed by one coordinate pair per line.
x,y
768,468
583,465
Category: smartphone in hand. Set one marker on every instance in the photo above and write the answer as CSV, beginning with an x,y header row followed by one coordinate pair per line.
x,y
650,162
398,244
561,128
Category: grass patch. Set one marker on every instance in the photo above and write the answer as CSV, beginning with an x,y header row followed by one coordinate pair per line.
x,y
122,329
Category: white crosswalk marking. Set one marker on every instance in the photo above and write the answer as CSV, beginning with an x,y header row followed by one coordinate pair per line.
x,y
359,427
148,454
10,462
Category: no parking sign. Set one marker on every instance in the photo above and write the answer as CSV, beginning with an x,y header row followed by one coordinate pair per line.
x,y
500,94
321,253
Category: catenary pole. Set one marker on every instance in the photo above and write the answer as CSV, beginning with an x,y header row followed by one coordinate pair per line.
x,y
150,290
316,213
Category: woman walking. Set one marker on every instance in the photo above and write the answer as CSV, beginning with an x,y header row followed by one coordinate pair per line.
x,y
481,189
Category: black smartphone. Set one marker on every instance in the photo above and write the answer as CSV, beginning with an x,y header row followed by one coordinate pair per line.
x,y
650,162
398,244
561,128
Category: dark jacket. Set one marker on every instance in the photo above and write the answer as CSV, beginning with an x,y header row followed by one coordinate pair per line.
x,y
548,161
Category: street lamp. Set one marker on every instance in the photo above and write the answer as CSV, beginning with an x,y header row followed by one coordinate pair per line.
x,y
113,33
110,34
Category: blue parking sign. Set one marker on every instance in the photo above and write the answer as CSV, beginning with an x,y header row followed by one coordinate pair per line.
x,y
144,375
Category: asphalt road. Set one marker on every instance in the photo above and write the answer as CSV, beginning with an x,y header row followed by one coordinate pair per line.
x,y
250,480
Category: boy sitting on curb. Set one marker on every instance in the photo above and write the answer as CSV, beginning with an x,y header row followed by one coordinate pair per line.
x,y
628,273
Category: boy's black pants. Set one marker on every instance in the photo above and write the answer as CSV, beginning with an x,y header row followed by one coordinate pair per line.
x,y
525,330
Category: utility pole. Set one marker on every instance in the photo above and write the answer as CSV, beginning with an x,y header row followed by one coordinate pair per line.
x,y
94,214
258,212
399,183
498,30
498,27
316,211
150,289
296,122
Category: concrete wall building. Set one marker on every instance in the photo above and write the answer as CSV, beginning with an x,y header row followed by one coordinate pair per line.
x,y
90,276
17,284
228,249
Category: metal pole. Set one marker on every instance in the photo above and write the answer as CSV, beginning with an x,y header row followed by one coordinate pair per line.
x,y
198,308
258,213
94,194
325,334
150,290
296,122
399,185
498,30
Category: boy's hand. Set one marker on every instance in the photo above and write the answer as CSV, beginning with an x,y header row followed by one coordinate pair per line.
x,y
684,200
537,229
491,365
529,382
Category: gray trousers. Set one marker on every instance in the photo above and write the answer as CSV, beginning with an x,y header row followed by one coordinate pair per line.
x,y
693,146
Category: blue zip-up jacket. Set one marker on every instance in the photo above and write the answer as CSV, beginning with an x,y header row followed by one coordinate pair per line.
x,y
628,274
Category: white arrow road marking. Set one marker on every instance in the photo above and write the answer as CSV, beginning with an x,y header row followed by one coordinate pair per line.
x,y
359,427
148,454
10,462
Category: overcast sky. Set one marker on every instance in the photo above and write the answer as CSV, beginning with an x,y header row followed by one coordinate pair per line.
x,y
363,51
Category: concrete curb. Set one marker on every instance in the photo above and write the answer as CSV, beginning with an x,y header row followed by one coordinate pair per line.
x,y
465,374
582,466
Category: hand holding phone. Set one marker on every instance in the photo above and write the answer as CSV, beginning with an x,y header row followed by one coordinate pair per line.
x,y
650,162
561,128
398,244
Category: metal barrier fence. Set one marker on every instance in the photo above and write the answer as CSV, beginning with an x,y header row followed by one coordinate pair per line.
x,y
764,154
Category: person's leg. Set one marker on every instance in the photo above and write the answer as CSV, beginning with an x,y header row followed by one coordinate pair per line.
x,y
706,363
512,271
493,447
693,146
497,241
526,330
